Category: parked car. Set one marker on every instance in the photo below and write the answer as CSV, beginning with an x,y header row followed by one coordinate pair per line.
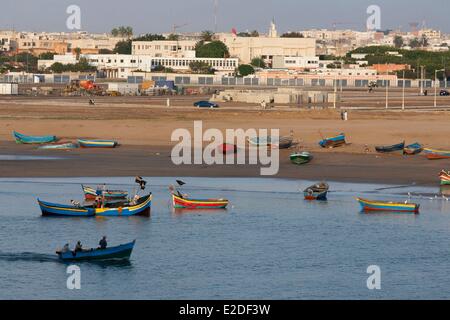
x,y
206,104
444,93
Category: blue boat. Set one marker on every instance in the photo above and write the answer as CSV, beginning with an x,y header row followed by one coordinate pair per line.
x,y
121,252
413,149
333,142
110,209
393,148
318,192
21,138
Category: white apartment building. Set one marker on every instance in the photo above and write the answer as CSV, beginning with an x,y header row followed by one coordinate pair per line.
x,y
295,62
165,48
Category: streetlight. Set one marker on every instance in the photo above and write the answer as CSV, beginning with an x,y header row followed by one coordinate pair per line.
x,y
435,85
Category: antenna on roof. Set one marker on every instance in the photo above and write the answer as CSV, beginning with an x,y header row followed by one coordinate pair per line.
x,y
216,9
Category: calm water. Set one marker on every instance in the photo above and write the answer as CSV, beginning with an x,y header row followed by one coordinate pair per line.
x,y
267,245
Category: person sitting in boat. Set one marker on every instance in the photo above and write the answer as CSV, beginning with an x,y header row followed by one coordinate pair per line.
x,y
79,247
103,244
75,203
135,200
65,248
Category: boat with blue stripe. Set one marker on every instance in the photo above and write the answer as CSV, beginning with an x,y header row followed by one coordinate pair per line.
x,y
121,252
371,206
22,138
333,142
111,209
85,143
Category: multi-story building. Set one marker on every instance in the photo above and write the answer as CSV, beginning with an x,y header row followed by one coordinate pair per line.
x,y
165,48
295,63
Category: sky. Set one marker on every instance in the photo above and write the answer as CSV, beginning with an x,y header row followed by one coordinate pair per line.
x,y
151,16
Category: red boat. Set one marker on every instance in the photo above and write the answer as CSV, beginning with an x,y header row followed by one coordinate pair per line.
x,y
227,148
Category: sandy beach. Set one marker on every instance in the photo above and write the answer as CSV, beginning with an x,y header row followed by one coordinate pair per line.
x,y
143,126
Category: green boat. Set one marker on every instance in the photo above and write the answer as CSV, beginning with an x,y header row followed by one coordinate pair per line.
x,y
301,158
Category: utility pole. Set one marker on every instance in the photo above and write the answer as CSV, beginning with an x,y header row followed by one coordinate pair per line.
x,y
403,94
435,85
335,91
216,9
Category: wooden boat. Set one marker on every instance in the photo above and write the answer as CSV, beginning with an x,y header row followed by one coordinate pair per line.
x,y
393,148
91,193
369,205
333,142
282,143
413,149
21,138
445,178
97,143
227,148
433,154
180,202
62,146
318,191
114,209
300,158
121,252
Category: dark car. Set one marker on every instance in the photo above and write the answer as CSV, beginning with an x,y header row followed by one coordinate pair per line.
x,y
444,93
206,104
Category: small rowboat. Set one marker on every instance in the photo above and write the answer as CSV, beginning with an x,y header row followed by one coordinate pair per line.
x,y
91,193
116,209
369,205
227,148
393,148
333,142
275,142
301,158
62,146
97,143
317,192
184,203
21,138
433,154
445,178
413,149
121,252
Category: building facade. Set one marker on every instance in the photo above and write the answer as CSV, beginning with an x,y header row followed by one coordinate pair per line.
x,y
165,48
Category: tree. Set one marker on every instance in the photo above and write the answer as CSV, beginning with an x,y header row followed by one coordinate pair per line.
x,y
123,47
254,33
245,70
414,43
398,42
150,37
292,35
200,67
105,51
207,35
122,31
77,52
424,41
115,32
258,62
46,56
214,49
173,37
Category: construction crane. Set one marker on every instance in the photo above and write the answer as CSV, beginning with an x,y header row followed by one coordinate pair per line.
x,y
176,27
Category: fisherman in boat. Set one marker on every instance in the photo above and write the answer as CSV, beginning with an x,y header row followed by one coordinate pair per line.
x,y
78,247
75,203
65,248
103,244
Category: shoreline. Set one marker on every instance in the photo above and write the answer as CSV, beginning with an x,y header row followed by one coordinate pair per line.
x,y
125,161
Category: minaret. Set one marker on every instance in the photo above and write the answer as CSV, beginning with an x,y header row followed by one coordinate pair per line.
x,y
273,30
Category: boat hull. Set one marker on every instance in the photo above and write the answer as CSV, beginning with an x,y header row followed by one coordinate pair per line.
x,y
380,206
182,203
433,154
396,147
318,191
333,142
24,139
122,252
445,178
413,149
300,158
97,143
142,209
91,193
56,210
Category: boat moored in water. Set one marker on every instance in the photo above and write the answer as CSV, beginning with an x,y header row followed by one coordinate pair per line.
x,y
318,191
181,202
373,206
121,252
91,193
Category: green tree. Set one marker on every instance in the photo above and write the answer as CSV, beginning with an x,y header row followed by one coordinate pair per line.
x,y
414,43
214,49
398,42
207,35
258,62
292,35
123,47
200,67
150,37
173,37
46,56
115,32
245,70
77,52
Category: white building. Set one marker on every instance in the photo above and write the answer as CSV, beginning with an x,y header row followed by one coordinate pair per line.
x,y
165,48
295,62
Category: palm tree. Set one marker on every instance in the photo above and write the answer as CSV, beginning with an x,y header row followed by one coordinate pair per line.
x,y
207,35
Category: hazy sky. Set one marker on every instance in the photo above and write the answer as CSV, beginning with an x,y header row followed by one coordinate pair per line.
x,y
159,16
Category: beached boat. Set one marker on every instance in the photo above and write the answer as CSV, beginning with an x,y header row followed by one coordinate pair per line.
x,y
369,205
227,148
285,142
61,146
91,193
180,202
413,149
121,252
445,177
333,142
393,148
21,138
97,143
300,158
317,192
113,209
433,154
275,142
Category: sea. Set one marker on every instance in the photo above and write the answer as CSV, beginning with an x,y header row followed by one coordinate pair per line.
x,y
269,244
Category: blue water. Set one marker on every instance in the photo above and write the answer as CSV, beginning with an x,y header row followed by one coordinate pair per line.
x,y
270,244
